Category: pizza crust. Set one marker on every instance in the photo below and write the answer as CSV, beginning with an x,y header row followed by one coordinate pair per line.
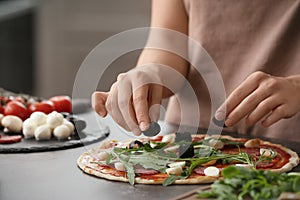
x,y
84,163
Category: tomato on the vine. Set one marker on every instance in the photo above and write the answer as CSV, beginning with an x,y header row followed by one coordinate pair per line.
x,y
43,106
62,103
16,108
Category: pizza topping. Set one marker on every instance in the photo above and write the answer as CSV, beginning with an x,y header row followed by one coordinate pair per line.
x,y
212,162
177,164
180,160
135,144
174,170
168,138
244,165
102,156
142,171
212,171
252,143
171,149
267,152
119,166
218,144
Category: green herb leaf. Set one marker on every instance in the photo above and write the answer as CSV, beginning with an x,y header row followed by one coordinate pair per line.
x,y
170,180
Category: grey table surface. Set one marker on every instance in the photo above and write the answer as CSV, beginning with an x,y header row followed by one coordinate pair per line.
x,y
55,175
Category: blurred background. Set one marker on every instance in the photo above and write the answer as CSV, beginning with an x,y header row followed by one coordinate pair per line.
x,y
44,42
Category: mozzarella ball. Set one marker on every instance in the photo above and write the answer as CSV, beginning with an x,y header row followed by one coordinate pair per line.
x,y
252,143
218,144
119,166
168,138
42,132
174,170
70,125
39,118
61,132
12,123
29,127
54,119
102,156
212,171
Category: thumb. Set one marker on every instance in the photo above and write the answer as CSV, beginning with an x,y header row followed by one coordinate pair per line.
x,y
98,102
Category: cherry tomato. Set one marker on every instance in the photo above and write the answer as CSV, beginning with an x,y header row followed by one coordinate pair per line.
x,y
16,108
18,98
62,103
1,109
44,106
5,99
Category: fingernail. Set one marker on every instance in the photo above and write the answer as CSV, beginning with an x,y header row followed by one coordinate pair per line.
x,y
101,113
220,115
144,126
136,132
228,122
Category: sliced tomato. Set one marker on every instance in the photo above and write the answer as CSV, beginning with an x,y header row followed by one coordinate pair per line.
x,y
10,139
16,108
62,103
44,106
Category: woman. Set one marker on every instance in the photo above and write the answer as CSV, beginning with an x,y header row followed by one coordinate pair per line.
x,y
256,47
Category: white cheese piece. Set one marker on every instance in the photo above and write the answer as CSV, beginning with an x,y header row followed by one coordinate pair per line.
x,y
212,171
266,152
152,145
61,132
171,149
102,156
119,166
12,123
42,132
244,165
54,119
177,164
29,127
168,138
216,143
174,170
253,143
70,125
107,144
39,118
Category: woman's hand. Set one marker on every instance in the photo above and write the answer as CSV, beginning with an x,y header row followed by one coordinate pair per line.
x,y
130,99
262,97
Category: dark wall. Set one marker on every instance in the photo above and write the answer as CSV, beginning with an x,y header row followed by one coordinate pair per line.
x,y
16,53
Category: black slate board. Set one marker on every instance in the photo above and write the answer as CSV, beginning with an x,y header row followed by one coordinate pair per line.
x,y
89,135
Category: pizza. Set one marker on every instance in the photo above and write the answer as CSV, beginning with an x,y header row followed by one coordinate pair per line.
x,y
182,158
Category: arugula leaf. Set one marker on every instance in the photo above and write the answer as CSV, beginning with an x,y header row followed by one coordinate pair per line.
x,y
149,161
240,183
170,180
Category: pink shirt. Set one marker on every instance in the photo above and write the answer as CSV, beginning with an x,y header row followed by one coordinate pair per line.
x,y
243,37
